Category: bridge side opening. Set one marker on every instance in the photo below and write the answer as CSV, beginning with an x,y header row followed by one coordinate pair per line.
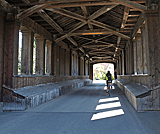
x,y
100,70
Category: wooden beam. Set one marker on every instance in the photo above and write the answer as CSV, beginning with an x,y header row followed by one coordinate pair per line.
x,y
31,11
72,41
131,4
77,26
100,49
35,27
84,11
82,32
125,17
69,4
26,1
101,11
47,18
93,46
103,52
101,57
93,22
76,16
99,24
68,14
102,25
138,25
94,32
5,6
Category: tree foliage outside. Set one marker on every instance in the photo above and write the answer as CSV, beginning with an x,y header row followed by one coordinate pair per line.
x,y
100,70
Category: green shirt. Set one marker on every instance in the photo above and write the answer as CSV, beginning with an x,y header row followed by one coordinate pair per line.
x,y
111,77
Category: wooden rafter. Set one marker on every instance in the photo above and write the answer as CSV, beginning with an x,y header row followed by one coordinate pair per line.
x,y
77,26
102,25
86,14
5,6
125,17
31,11
93,22
101,11
68,14
138,24
131,4
26,1
47,18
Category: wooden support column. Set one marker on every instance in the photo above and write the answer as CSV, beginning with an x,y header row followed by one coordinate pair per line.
x,y
40,55
65,62
91,72
74,64
61,61
131,58
88,67
79,65
138,38
52,58
11,51
48,57
71,62
145,48
126,59
27,52
135,56
123,63
152,22
2,20
84,66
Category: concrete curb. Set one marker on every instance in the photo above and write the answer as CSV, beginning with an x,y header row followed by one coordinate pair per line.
x,y
137,95
27,97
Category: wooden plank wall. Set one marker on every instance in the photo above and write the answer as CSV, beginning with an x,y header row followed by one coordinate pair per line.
x,y
23,81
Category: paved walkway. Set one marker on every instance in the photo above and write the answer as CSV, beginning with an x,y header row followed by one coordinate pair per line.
x,y
87,110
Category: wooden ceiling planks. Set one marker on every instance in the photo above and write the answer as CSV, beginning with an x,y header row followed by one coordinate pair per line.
x,y
84,22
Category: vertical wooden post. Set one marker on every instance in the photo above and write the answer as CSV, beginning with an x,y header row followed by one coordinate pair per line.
x,y
84,66
27,52
152,22
48,57
40,55
132,58
11,51
139,54
91,72
2,20
71,62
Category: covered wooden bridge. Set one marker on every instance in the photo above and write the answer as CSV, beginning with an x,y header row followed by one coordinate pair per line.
x,y
70,37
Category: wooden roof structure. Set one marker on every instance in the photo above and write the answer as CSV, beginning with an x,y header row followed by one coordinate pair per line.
x,y
97,29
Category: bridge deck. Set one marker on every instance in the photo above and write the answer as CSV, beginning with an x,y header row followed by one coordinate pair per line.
x,y
87,110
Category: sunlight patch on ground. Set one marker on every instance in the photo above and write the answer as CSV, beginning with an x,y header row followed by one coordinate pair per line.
x,y
108,105
105,88
107,114
108,99
99,81
111,104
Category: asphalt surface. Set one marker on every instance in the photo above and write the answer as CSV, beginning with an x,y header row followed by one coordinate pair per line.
x,y
87,110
